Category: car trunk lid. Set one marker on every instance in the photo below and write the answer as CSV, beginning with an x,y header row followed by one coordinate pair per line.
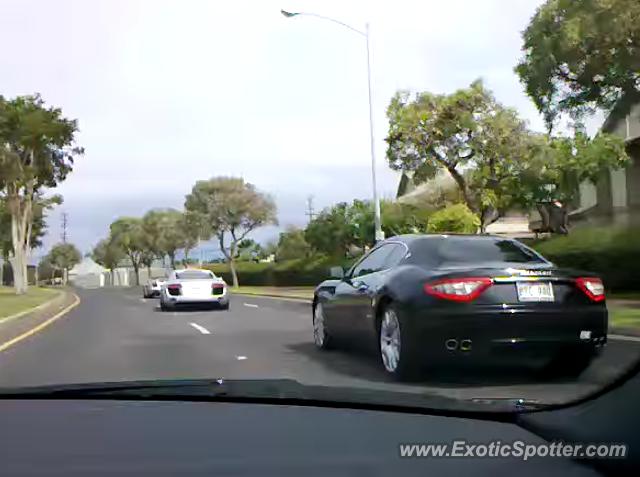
x,y
196,288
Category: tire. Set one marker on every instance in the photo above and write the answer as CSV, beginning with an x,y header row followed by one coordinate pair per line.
x,y
396,350
322,338
163,307
225,306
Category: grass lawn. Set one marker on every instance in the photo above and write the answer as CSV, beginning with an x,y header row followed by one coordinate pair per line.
x,y
625,317
290,292
10,303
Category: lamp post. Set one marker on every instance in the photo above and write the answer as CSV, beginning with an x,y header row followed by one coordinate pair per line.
x,y
379,234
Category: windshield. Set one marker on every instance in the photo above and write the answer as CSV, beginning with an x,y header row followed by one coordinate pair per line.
x,y
417,198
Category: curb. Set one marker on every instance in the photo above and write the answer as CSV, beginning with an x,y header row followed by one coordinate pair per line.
x,y
624,331
31,310
8,344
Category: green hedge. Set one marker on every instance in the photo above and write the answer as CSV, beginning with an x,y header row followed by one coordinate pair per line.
x,y
613,253
290,273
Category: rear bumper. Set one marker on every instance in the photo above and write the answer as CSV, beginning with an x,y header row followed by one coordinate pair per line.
x,y
497,334
186,300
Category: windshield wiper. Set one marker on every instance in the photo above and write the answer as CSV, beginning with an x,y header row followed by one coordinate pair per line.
x,y
273,391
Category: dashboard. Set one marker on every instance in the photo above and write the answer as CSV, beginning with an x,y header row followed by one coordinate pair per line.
x,y
156,438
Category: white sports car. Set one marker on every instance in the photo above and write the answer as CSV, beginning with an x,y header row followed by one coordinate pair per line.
x,y
153,287
193,286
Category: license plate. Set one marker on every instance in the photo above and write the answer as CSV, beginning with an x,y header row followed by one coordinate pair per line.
x,y
535,291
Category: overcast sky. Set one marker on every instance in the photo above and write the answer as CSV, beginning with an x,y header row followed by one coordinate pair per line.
x,y
170,92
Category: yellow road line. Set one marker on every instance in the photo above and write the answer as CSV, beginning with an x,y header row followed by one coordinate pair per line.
x,y
41,326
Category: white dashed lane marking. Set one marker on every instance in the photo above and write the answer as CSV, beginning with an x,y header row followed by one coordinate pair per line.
x,y
251,305
241,358
201,329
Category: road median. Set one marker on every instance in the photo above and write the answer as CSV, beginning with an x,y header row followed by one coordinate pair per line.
x,y
14,329
14,306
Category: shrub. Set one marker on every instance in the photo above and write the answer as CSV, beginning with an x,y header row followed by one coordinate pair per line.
x,y
299,272
454,219
612,253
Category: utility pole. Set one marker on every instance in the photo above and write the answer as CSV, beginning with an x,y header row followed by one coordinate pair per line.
x,y
310,210
379,234
65,222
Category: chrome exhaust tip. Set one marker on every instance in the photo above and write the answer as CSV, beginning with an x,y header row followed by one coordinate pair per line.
x,y
451,344
465,345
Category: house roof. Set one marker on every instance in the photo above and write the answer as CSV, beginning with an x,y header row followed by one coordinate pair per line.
x,y
86,267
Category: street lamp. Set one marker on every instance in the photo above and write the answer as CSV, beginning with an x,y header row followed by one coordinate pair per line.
x,y
379,234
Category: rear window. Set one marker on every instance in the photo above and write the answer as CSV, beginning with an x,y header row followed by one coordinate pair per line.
x,y
464,250
458,251
194,275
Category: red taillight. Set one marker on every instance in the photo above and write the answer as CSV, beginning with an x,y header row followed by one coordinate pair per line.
x,y
217,288
174,289
592,287
458,289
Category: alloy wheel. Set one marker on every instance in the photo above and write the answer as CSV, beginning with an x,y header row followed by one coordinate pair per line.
x,y
390,344
319,330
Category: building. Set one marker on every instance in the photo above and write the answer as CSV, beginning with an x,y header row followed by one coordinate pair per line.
x,y
616,198
88,274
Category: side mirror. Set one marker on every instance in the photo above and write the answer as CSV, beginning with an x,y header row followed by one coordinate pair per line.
x,y
336,272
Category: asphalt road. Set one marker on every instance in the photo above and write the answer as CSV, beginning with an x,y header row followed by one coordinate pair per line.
x,y
116,335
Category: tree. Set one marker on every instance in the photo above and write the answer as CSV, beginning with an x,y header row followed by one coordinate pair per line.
x,y
269,250
36,152
108,254
292,245
165,232
465,130
38,228
46,268
332,231
553,174
194,225
64,256
495,161
401,219
146,258
454,219
128,235
581,55
230,207
249,250
339,229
